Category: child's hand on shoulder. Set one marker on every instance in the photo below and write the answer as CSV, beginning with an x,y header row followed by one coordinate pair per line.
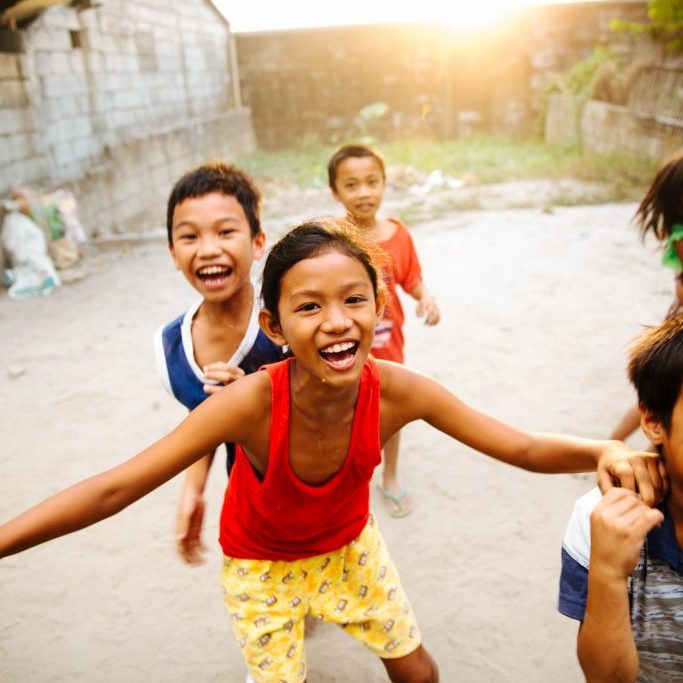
x,y
428,308
640,472
619,524
222,373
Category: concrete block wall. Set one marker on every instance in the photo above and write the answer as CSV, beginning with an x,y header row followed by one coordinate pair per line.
x,y
22,156
315,81
562,120
129,191
114,98
607,128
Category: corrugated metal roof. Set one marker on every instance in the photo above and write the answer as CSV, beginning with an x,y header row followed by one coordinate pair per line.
x,y
16,12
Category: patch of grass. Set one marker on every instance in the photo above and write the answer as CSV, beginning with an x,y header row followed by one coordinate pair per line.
x,y
304,167
490,159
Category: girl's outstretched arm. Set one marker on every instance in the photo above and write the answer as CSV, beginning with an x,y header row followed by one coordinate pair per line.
x,y
231,415
408,395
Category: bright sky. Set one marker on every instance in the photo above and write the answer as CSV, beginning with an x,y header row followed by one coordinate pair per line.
x,y
261,16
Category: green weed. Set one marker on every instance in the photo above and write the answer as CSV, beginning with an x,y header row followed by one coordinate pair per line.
x,y
483,158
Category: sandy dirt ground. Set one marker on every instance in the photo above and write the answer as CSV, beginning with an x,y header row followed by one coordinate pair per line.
x,y
538,308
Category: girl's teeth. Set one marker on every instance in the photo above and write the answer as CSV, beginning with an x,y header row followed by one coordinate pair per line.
x,y
338,348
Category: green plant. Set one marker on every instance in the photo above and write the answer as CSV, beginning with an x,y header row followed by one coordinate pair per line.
x,y
580,78
483,158
368,119
579,82
665,24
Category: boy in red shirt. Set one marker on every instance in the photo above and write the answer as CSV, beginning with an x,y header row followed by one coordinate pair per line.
x,y
357,178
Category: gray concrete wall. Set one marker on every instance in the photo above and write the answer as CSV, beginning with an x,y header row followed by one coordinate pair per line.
x,y
604,128
115,102
562,120
609,128
436,81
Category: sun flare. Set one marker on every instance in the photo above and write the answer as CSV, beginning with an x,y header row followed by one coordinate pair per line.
x,y
476,14
308,14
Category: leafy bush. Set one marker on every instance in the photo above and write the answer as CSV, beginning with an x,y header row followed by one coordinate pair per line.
x,y
665,24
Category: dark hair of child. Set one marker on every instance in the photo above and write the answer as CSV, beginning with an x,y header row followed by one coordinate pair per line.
x,y
352,152
217,176
311,239
662,205
655,368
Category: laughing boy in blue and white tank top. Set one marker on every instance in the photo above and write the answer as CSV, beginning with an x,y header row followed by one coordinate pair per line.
x,y
214,236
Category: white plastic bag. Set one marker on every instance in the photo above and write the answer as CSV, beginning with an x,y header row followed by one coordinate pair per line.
x,y
32,271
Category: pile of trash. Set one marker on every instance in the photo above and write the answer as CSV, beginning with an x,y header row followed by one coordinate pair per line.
x,y
41,234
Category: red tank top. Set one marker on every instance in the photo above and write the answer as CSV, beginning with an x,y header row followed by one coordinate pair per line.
x,y
282,517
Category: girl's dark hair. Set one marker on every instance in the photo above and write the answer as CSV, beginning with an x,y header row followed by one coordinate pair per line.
x,y
662,206
655,368
313,238
352,152
217,176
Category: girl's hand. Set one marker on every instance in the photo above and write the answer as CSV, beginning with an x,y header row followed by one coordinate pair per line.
x,y
619,524
428,308
643,473
222,373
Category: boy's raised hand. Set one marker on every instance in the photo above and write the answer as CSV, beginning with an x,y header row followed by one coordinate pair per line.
x,y
222,373
189,527
619,524
641,472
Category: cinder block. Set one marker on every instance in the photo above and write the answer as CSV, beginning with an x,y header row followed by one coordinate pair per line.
x,y
63,85
82,148
9,65
68,107
60,62
62,154
60,17
95,63
16,147
30,171
76,62
89,19
49,38
12,120
37,145
13,94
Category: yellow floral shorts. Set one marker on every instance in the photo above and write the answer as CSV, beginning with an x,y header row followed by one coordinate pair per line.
x,y
356,587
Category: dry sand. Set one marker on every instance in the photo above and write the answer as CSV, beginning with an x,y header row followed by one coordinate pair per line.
x,y
537,310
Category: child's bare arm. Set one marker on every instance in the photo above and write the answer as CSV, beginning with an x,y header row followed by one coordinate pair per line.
x,y
408,396
426,304
619,524
191,509
235,414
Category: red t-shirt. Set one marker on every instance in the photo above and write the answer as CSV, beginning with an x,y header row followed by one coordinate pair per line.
x,y
403,269
282,517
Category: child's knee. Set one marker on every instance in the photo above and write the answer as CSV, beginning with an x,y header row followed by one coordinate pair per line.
x,y
417,667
